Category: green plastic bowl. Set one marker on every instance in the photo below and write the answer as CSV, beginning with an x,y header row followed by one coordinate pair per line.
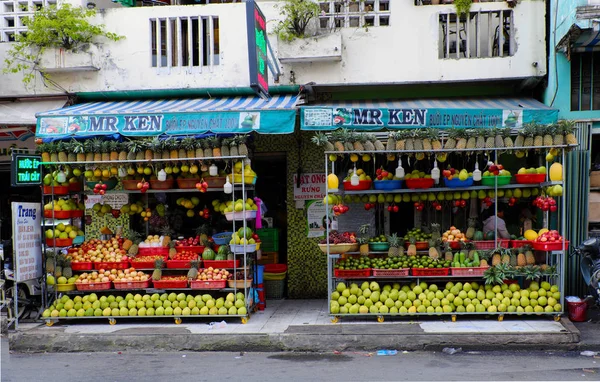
x,y
384,246
490,180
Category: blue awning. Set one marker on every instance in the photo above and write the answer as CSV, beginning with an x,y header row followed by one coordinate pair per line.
x,y
238,115
588,41
439,113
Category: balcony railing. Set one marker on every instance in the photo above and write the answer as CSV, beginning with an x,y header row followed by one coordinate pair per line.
x,y
477,34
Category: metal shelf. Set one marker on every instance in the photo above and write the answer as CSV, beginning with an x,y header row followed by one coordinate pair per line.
x,y
153,290
247,187
437,189
441,151
148,161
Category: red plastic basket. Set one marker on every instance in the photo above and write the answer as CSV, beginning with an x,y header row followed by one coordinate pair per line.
x,y
191,248
205,284
130,184
471,271
550,246
187,183
519,243
57,214
530,178
352,274
453,244
93,286
391,272
419,183
142,264
131,284
491,244
170,284
75,187
275,268
577,311
421,245
82,266
111,265
215,182
77,213
221,263
179,263
58,190
59,242
153,251
156,184
430,271
362,185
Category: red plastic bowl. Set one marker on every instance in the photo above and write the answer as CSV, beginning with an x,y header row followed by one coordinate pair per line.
x,y
419,183
362,185
530,178
57,214
275,268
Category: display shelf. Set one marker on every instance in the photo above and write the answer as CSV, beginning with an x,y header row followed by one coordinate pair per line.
x,y
141,161
551,183
151,290
428,277
436,189
238,187
53,222
446,151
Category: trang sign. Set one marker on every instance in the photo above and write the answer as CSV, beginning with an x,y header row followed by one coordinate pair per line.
x,y
317,118
312,186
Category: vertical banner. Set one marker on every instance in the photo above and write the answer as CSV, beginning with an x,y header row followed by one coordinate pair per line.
x,y
27,231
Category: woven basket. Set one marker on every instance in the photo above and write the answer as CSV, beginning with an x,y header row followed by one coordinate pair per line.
x,y
274,289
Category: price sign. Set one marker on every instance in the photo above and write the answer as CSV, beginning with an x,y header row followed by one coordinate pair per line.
x,y
256,26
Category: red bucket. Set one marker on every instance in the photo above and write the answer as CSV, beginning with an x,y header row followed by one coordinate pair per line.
x,y
577,311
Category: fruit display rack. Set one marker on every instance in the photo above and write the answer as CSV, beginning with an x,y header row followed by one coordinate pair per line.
x,y
553,283
246,258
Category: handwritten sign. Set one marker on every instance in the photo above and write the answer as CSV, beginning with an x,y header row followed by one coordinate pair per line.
x,y
116,201
27,231
312,186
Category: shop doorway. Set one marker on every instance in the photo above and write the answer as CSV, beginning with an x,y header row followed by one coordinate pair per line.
x,y
271,187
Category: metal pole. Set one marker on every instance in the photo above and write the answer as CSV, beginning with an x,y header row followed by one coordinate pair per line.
x,y
329,270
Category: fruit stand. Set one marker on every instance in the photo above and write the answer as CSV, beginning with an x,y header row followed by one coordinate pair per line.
x,y
143,266
469,269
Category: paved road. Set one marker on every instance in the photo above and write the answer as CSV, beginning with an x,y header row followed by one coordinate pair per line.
x,y
144,367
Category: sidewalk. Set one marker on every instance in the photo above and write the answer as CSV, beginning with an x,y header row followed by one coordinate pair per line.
x,y
305,325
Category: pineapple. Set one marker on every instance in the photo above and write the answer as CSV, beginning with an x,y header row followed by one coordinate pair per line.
x,y
193,272
155,145
88,148
529,256
157,274
400,138
58,268
338,140
52,149
472,141
173,152
558,139
461,142
368,142
97,149
233,148
42,149
105,151
113,149
61,148
378,145
568,128
496,257
166,233
448,256
71,155
489,139
498,138
363,241
67,270
215,144
426,138
391,143
506,255
241,142
549,131
529,131
471,228
199,151
508,142
122,152
135,147
433,251
513,257
521,260
409,142
356,142
480,141
172,250
434,135
321,140
418,140
208,149
347,144
435,231
412,247
133,250
520,139
450,143
189,144
394,242
50,265
225,147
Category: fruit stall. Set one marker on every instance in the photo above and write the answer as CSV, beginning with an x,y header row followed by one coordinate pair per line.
x,y
150,227
467,221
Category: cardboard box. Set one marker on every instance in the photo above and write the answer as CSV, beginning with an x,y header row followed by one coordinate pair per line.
x,y
594,207
595,179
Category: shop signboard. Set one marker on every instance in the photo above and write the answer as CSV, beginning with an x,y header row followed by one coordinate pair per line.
x,y
310,187
365,118
27,231
25,170
256,26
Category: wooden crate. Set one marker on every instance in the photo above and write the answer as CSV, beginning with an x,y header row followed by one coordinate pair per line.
x,y
594,207
595,179
269,258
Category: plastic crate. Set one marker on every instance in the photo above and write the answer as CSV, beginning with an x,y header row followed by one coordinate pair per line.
x,y
93,286
471,271
519,243
152,251
351,274
274,289
205,284
77,213
179,263
111,265
259,274
75,187
550,246
269,238
142,264
131,284
490,244
430,271
221,263
391,272
82,266
170,284
191,248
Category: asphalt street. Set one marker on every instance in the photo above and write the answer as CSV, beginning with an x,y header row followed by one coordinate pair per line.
x,y
430,366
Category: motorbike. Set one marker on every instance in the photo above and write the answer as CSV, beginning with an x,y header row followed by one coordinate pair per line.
x,y
589,251
29,292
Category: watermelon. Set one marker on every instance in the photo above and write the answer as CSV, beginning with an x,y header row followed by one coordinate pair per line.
x,y
490,235
208,254
222,253
248,234
478,236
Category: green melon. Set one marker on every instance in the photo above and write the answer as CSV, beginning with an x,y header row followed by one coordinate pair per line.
x,y
208,254
478,236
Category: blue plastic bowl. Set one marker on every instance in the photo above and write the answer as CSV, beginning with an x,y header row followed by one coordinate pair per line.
x,y
456,183
222,238
387,184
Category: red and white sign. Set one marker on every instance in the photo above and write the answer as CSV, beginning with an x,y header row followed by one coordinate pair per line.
x,y
312,186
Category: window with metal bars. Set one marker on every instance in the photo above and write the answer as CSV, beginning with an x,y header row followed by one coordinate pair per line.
x,y
585,81
184,42
14,12
354,13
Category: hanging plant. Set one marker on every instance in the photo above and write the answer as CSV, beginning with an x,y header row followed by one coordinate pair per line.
x,y
462,6
298,14
56,26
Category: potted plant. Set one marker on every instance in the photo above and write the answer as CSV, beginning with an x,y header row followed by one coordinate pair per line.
x,y
462,6
60,27
297,15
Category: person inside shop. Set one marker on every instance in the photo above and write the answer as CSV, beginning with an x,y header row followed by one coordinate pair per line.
x,y
490,225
